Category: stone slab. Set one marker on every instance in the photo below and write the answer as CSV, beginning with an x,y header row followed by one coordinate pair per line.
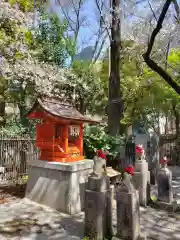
x,y
96,214
70,167
164,183
128,216
139,238
64,190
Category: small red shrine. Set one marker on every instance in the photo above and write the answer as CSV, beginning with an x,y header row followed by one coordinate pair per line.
x,y
59,136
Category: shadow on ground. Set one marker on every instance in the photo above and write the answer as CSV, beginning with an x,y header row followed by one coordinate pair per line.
x,y
17,191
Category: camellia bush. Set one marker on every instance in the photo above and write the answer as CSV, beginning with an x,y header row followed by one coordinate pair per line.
x,y
95,138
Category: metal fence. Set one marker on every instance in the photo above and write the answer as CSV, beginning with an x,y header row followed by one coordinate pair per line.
x,y
15,153
129,155
169,147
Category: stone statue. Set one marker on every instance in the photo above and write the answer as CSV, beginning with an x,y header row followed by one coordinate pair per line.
x,y
127,182
164,182
127,178
164,162
140,153
99,168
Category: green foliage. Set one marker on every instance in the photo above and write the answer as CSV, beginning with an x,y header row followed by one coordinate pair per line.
x,y
15,128
96,138
146,96
49,40
130,76
90,95
24,5
23,77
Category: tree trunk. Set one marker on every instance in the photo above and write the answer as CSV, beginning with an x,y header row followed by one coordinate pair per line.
x,y
2,111
22,112
82,107
177,142
115,103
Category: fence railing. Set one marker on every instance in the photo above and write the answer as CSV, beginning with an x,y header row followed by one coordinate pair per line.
x,y
15,153
169,147
129,155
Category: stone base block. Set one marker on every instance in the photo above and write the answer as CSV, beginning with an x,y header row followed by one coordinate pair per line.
x,y
128,214
143,191
110,209
170,207
60,186
96,214
139,238
142,184
98,184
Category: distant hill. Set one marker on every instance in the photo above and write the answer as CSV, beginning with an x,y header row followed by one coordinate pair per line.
x,y
85,54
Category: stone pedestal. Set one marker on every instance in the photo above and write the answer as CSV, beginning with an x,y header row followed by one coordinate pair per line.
x,y
98,208
59,185
128,213
141,181
164,183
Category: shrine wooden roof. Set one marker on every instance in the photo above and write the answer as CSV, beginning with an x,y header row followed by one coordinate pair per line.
x,y
57,108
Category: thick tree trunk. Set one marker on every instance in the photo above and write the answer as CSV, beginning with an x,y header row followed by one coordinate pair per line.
x,y
115,103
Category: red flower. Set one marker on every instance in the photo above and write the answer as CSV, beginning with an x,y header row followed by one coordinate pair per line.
x,y
139,149
129,169
164,160
100,153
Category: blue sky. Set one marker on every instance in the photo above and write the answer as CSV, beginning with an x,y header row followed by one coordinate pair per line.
x,y
86,33
90,11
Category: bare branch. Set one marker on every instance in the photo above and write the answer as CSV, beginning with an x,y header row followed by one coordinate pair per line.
x,y
176,7
152,10
74,24
100,49
147,58
100,9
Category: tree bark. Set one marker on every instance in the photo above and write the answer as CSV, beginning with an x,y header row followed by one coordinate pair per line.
x,y
2,110
115,103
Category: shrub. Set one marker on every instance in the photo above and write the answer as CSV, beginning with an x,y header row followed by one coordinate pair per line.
x,y
96,138
15,128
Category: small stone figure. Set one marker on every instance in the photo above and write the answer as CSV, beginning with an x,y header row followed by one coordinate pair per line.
x,y
128,214
99,168
127,178
140,153
141,177
98,204
164,182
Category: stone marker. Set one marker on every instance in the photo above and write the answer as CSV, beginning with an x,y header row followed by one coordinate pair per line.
x,y
128,212
141,178
164,182
98,204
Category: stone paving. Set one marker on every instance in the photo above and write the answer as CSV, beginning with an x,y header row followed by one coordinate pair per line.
x,y
25,220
